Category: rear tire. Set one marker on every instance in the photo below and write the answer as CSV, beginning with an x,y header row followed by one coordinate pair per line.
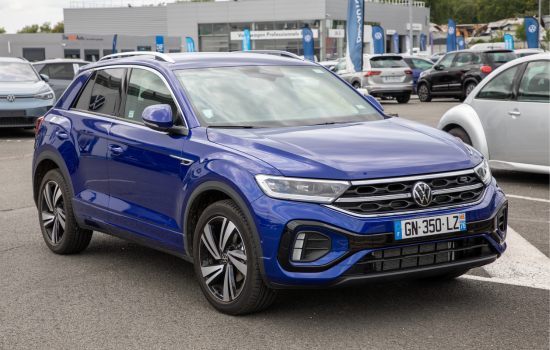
x,y
461,134
424,94
403,99
57,221
356,85
226,263
469,88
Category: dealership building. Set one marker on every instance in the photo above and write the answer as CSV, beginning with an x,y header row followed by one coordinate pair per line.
x,y
218,26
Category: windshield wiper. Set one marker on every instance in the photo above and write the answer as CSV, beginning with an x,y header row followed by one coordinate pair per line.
x,y
330,123
232,126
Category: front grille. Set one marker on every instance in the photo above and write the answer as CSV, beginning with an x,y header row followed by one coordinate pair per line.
x,y
394,196
421,255
14,121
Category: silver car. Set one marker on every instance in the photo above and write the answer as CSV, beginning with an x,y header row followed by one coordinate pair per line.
x,y
528,52
506,117
60,71
382,76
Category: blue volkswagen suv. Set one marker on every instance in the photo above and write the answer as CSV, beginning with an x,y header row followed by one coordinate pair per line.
x,y
265,171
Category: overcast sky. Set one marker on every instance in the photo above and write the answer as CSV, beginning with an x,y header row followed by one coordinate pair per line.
x,y
15,14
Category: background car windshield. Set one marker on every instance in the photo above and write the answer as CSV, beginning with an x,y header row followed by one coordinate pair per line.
x,y
500,57
14,72
272,96
388,62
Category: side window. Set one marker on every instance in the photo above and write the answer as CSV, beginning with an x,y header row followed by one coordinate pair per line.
x,y
500,87
411,63
464,59
101,93
535,84
340,66
421,64
146,89
63,71
41,68
447,60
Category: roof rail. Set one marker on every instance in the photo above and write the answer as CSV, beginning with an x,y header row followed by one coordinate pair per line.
x,y
23,58
158,55
272,52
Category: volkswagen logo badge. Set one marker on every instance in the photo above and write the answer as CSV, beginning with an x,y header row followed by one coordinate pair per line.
x,y
11,98
422,194
532,28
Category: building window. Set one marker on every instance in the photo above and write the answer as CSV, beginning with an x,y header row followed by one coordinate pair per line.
x,y
34,55
144,48
72,53
108,52
91,55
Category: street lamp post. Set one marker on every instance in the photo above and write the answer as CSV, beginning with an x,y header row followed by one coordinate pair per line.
x,y
411,26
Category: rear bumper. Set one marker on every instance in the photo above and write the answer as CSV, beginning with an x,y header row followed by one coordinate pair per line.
x,y
390,92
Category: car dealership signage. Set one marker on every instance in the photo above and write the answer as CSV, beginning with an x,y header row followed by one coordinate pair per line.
x,y
273,34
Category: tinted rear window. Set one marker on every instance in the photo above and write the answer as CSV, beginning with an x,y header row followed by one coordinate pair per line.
x,y
499,57
388,62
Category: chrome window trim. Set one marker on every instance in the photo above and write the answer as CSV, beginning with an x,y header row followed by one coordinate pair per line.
x,y
420,211
180,110
412,178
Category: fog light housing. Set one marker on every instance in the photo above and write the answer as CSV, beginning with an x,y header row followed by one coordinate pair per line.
x,y
501,223
309,246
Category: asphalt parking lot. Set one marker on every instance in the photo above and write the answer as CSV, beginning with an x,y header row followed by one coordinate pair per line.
x,y
119,295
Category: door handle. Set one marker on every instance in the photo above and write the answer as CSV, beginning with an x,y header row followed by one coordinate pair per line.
x,y
515,113
61,135
116,149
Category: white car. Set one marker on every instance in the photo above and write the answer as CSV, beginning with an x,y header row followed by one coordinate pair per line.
x,y
506,117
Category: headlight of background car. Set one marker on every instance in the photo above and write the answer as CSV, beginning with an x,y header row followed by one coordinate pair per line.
x,y
306,190
483,172
48,95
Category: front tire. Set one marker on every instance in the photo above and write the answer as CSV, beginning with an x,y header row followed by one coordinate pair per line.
x,y
403,99
57,221
424,94
226,263
461,134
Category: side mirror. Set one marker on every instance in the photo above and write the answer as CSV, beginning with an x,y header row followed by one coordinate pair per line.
x,y
333,69
45,77
440,67
158,117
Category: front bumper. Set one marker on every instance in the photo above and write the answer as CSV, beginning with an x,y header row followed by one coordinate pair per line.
x,y
355,239
23,113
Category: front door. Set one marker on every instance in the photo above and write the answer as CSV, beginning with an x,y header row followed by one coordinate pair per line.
x,y
528,117
145,167
441,77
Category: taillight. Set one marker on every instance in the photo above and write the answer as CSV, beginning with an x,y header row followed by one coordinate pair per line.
x,y
409,72
38,122
373,72
486,69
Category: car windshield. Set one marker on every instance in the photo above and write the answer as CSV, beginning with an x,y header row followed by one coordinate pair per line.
x,y
272,96
17,72
500,57
388,62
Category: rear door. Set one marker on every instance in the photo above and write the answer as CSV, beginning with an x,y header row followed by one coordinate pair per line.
x,y
441,77
61,75
528,117
145,166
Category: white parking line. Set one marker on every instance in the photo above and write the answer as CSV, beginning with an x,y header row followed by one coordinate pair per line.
x,y
528,198
521,264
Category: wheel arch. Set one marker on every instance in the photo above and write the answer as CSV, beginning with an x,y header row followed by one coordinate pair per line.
x,y
46,161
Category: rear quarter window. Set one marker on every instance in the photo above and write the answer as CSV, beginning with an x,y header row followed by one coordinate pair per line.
x,y
102,92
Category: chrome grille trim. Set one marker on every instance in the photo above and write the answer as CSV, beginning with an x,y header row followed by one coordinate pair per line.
x,y
457,189
17,96
412,178
373,198
417,211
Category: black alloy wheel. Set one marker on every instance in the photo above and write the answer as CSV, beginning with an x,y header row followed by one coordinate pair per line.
x,y
403,99
469,88
226,262
57,222
424,93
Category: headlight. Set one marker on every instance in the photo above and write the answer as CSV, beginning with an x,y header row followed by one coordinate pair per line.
x,y
483,172
306,190
45,95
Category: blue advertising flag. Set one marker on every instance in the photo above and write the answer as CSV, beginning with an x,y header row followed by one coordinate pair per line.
x,y
422,42
190,44
378,39
396,42
307,41
160,44
355,26
451,36
461,43
246,40
532,32
114,43
508,42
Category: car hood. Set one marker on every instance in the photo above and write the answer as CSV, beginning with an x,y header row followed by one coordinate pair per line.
x,y
23,88
386,148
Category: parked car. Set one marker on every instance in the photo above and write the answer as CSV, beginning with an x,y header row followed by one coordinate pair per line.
x,y
488,46
266,172
458,73
527,52
330,64
436,56
417,65
382,76
506,117
24,95
60,71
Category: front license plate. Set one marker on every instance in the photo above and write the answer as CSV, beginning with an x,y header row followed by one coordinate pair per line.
x,y
434,225
392,79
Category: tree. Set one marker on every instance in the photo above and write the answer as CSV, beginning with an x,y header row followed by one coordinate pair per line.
x,y
58,28
520,33
29,29
46,27
2,30
499,38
